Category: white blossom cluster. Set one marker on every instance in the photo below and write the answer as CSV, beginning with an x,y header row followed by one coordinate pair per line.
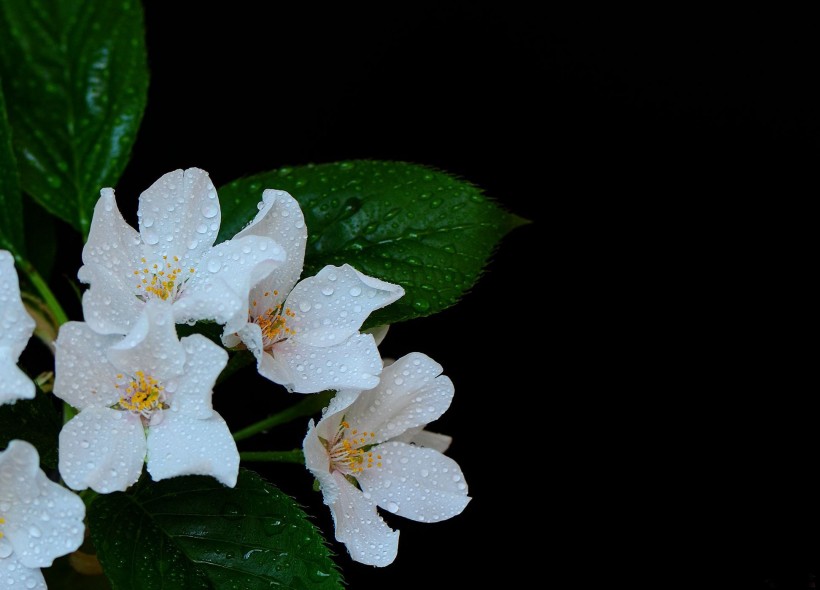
x,y
143,395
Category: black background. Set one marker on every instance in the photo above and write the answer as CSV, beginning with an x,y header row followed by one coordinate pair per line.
x,y
629,393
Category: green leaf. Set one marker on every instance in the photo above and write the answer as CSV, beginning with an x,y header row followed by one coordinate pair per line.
x,y
192,532
76,80
36,421
11,207
428,231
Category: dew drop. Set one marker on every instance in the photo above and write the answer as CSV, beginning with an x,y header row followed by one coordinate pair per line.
x,y
392,507
305,306
209,210
214,265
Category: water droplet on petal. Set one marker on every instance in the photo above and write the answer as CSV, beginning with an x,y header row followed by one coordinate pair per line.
x,y
392,507
209,210
214,265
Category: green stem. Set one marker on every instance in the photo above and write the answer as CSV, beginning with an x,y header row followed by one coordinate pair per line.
x,y
308,406
43,289
294,456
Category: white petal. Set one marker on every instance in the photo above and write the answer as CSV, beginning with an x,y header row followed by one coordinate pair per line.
x,y
233,340
103,449
179,215
342,400
379,333
205,361
208,300
424,438
332,305
48,527
43,520
241,263
110,257
251,336
16,325
280,218
14,574
14,383
83,377
110,305
415,482
318,462
412,392
358,525
352,364
182,445
276,369
19,464
151,345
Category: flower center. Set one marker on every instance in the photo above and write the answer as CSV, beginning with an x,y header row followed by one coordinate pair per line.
x,y
351,453
273,320
163,281
141,395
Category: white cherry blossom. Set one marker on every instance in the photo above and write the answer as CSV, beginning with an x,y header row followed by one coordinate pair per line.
x,y
370,450
39,519
171,258
16,327
305,335
148,393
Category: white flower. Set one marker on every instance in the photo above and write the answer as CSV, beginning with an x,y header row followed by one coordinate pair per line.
x,y
148,381
375,439
171,258
306,337
16,327
39,519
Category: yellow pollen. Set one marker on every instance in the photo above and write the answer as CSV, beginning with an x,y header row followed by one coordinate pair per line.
x,y
143,394
160,282
2,521
349,455
274,324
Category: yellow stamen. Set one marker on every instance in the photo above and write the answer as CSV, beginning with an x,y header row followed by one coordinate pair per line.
x,y
160,282
143,394
347,455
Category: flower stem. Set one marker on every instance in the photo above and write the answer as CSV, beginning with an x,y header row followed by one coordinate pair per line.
x,y
43,289
294,456
310,405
